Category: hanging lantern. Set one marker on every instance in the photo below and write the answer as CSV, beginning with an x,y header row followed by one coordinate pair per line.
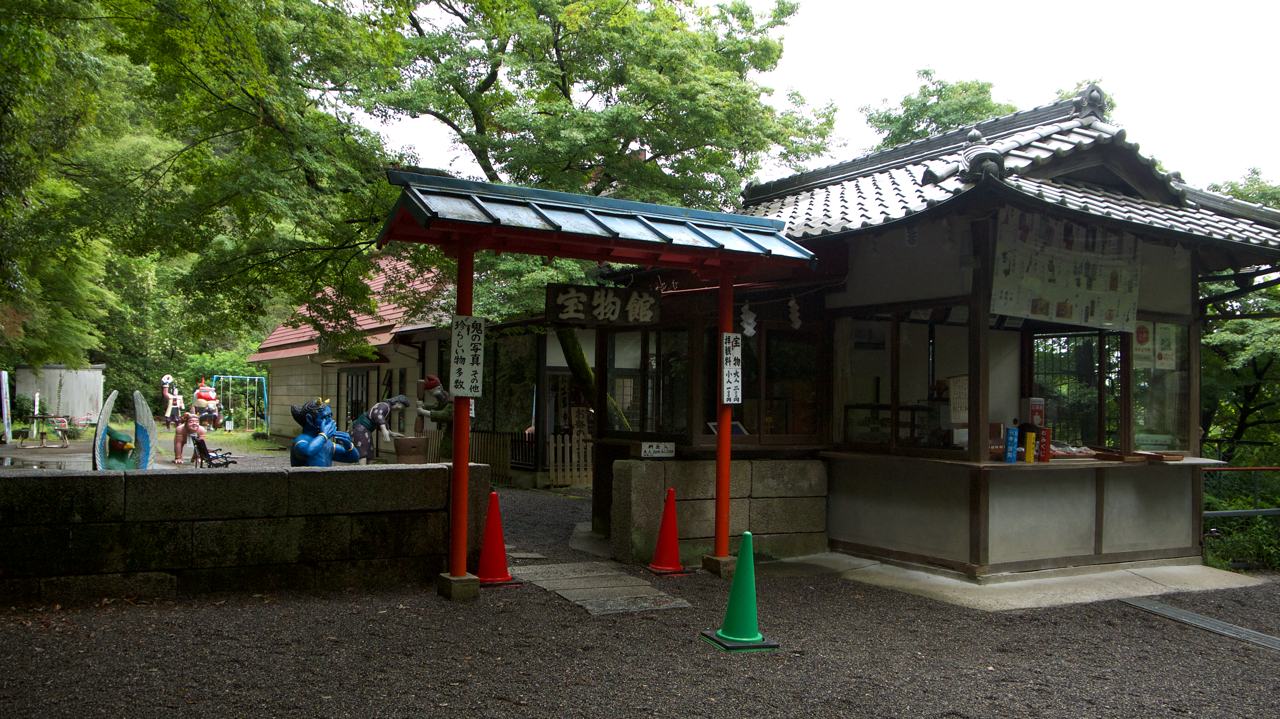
x,y
794,307
748,320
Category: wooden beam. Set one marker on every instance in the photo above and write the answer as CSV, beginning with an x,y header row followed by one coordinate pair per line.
x,y
1234,294
983,233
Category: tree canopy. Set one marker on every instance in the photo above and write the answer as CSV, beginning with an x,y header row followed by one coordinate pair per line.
x,y
936,107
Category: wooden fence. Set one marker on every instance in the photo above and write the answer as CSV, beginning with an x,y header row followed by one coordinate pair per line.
x,y
569,456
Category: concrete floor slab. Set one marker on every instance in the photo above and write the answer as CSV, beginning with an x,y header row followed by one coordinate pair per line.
x,y
538,572
1049,592
620,605
592,593
602,580
813,564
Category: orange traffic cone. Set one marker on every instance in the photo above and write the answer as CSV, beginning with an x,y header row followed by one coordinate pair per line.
x,y
493,549
666,557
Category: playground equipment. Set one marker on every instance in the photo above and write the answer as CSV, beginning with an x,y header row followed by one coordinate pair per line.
x,y
113,449
243,401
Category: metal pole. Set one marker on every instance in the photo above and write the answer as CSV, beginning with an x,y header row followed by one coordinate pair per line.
x,y
461,437
724,431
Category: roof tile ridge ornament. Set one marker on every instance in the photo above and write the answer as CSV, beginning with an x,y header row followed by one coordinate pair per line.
x,y
979,160
1091,102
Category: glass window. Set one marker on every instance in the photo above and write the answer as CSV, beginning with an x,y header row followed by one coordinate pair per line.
x,y
668,381
748,413
514,382
862,380
1161,388
790,383
934,356
623,381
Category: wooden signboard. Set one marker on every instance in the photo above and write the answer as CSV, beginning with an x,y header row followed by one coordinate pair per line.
x,y
466,373
731,367
594,306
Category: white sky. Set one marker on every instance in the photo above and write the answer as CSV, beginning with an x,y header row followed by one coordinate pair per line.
x,y
1193,82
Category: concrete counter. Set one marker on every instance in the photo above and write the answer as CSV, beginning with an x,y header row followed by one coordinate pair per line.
x,y
981,519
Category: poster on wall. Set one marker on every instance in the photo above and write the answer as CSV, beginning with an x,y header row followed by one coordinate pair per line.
x,y
1057,271
958,398
731,368
1144,344
466,373
1166,346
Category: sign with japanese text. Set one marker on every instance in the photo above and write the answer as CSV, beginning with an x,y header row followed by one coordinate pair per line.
x,y
1057,271
731,368
1166,346
591,306
1144,345
466,371
651,450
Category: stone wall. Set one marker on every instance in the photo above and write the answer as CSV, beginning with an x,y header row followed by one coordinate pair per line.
x,y
783,503
66,535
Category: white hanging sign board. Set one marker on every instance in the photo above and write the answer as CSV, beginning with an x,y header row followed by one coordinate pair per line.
x,y
466,375
1144,344
731,368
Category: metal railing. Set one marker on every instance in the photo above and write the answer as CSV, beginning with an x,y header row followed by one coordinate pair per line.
x,y
1243,481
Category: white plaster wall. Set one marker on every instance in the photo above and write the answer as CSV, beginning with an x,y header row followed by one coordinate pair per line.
x,y
80,393
1165,280
896,266
1040,515
1002,399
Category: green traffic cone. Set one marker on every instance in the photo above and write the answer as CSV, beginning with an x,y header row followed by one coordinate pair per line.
x,y
740,631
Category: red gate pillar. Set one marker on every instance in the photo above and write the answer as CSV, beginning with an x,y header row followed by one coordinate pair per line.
x,y
456,583
720,562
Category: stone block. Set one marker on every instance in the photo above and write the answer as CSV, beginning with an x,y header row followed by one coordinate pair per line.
x,y
696,479
92,587
205,494
693,550
20,590
374,488
263,578
60,497
458,589
155,545
377,573
246,542
324,537
784,515
697,517
777,546
788,478
33,551
638,495
411,534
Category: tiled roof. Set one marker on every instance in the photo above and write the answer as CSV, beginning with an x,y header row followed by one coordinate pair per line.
x,y
288,341
699,234
882,187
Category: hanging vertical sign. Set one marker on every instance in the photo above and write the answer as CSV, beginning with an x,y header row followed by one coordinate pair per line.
x,y
1144,343
466,376
731,368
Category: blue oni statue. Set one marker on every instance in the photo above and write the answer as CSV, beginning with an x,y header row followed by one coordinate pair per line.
x,y
320,442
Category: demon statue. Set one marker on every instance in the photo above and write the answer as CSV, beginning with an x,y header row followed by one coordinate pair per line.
x,y
375,420
188,427
441,412
206,405
320,442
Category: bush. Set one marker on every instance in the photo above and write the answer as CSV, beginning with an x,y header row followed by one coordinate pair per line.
x,y
74,432
1244,542
262,435
23,407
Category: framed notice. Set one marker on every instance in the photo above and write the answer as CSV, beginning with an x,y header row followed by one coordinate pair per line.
x,y
958,398
731,368
1144,345
1166,346
466,371
652,450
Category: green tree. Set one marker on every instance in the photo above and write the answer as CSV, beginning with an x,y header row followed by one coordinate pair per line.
x,y
936,107
652,101
1240,408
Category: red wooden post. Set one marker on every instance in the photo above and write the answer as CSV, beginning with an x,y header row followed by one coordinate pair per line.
x,y
724,431
461,436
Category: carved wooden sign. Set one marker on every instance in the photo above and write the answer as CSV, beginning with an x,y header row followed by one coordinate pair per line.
x,y
595,306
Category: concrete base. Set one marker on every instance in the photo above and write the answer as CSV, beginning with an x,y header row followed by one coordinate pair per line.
x,y
722,567
458,589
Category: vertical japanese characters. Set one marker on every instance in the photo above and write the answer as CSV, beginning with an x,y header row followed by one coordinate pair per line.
x,y
731,367
466,371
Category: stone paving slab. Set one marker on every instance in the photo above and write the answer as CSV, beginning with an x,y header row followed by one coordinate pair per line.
x,y
603,580
620,605
539,572
525,555
594,593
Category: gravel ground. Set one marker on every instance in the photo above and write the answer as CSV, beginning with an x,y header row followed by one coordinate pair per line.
x,y
847,650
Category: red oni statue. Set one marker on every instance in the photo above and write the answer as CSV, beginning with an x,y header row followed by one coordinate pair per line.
x,y
206,405
189,426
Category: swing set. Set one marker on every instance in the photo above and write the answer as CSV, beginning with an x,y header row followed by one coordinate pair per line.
x,y
243,401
